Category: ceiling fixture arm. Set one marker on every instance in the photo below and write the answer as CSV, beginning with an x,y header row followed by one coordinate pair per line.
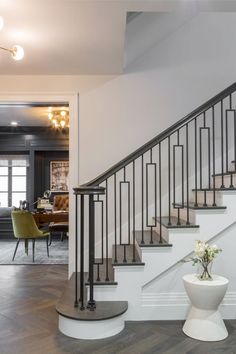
x,y
16,51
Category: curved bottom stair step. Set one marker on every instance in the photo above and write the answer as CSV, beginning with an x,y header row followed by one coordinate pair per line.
x,y
102,322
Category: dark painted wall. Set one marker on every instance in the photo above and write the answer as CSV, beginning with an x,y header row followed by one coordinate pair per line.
x,y
42,145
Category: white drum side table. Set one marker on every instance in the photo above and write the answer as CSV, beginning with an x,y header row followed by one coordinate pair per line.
x,y
204,321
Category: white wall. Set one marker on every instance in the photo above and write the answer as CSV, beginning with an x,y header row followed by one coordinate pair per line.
x,y
119,113
168,289
185,69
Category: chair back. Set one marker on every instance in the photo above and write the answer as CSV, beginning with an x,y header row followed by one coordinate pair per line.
x,y
24,225
61,202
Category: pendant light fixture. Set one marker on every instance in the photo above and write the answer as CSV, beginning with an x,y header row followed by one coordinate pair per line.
x,y
17,52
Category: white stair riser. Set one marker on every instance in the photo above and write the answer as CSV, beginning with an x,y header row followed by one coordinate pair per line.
x,y
227,181
91,329
209,198
132,281
183,214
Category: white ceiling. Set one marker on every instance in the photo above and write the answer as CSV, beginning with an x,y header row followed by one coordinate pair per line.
x,y
65,37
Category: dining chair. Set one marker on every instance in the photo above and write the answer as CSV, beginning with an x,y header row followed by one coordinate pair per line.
x,y
25,228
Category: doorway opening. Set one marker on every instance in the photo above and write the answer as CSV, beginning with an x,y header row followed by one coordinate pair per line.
x,y
34,181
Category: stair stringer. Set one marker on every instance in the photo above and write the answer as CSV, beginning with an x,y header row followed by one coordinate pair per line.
x,y
133,279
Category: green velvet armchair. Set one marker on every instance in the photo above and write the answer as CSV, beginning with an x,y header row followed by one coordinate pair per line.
x,y
25,228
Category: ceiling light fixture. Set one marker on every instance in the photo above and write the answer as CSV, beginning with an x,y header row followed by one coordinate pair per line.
x,y
14,124
16,51
59,117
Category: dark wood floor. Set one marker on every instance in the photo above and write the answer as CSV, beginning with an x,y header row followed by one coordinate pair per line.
x,y
28,322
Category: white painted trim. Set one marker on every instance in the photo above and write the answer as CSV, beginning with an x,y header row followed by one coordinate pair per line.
x,y
91,329
155,306
73,99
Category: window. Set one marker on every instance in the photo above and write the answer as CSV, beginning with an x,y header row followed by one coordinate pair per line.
x,y
13,179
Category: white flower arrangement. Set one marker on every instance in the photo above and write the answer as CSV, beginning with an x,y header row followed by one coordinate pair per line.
x,y
205,254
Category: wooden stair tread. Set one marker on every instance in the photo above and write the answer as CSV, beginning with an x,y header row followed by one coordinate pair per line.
x,y
104,309
212,190
174,220
201,206
228,173
119,261
147,239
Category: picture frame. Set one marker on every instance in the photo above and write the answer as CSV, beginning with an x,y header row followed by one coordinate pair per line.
x,y
59,176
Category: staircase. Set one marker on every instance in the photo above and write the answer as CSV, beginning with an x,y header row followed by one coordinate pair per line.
x,y
142,217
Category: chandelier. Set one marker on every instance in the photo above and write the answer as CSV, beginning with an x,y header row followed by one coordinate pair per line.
x,y
17,52
59,117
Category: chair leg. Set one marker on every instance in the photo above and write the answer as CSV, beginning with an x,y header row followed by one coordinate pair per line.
x,y
26,246
62,236
50,239
47,239
17,244
33,248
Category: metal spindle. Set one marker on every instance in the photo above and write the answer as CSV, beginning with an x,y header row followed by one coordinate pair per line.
x,y
81,251
169,198
234,140
115,221
213,156
134,255
142,199
107,274
226,143
91,303
222,146
160,211
76,252
187,175
195,131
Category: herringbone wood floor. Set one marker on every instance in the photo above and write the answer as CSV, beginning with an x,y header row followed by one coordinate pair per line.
x,y
28,322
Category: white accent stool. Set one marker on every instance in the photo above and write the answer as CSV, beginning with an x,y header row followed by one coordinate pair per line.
x,y
204,321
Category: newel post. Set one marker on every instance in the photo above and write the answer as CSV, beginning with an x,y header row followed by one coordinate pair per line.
x,y
83,191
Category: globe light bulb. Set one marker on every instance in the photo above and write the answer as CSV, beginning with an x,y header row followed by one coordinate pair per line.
x,y
50,115
63,113
17,52
1,23
62,123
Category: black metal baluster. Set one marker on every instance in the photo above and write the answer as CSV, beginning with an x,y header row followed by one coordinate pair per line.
x,y
107,273
209,158
142,200
134,255
76,251
213,156
200,148
222,146
160,210
151,240
195,130
187,175
234,140
91,303
115,221
169,198
182,148
81,251
226,143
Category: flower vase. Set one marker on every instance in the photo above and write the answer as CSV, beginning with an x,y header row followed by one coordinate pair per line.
x,y
205,271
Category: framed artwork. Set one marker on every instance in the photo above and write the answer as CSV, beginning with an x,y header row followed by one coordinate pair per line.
x,y
59,176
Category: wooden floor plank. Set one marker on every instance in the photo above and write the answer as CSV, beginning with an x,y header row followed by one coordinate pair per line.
x,y
29,322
